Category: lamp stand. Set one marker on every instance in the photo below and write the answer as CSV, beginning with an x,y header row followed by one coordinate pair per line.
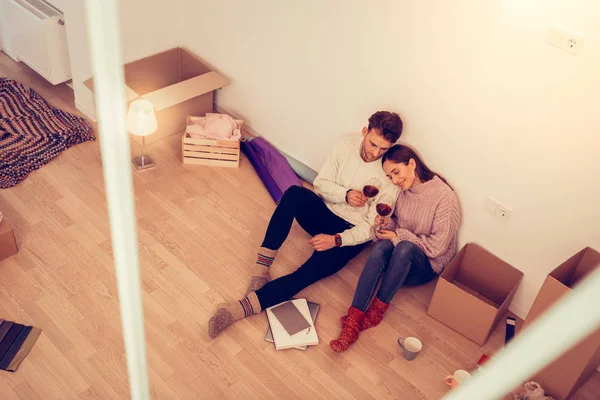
x,y
142,161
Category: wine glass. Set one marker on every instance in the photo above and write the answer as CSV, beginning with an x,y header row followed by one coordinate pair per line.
x,y
371,188
384,206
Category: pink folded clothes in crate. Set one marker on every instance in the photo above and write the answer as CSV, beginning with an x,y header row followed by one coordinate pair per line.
x,y
214,126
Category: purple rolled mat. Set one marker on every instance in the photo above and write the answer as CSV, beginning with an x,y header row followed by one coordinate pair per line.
x,y
262,172
276,164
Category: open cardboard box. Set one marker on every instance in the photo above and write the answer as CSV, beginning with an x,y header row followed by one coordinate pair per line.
x,y
177,83
566,374
8,244
474,292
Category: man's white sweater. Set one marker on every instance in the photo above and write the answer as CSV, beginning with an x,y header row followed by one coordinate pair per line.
x,y
345,169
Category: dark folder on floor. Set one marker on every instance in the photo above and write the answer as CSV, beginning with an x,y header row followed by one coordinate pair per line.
x,y
16,341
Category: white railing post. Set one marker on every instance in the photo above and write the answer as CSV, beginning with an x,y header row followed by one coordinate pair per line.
x,y
109,92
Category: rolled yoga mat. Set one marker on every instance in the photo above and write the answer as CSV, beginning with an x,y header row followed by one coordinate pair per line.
x,y
304,172
262,172
301,170
271,166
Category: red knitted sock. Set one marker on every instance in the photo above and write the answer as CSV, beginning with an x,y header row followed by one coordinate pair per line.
x,y
344,318
374,314
350,330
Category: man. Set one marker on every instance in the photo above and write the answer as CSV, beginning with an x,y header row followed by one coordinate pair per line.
x,y
338,217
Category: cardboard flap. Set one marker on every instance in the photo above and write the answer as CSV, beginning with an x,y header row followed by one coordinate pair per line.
x,y
487,274
589,261
552,290
503,308
182,91
568,372
451,270
129,93
563,272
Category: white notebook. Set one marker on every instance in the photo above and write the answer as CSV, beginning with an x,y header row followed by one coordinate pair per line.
x,y
314,311
283,340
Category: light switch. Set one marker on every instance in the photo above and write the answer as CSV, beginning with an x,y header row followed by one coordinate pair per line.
x,y
557,36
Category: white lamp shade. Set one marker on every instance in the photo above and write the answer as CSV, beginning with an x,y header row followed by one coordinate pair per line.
x,y
141,119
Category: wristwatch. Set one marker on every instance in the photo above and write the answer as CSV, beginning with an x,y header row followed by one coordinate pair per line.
x,y
338,240
347,191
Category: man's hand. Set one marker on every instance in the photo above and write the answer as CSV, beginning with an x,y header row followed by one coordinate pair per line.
x,y
322,242
356,198
385,234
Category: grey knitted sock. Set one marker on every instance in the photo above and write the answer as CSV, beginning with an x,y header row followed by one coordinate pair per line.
x,y
228,313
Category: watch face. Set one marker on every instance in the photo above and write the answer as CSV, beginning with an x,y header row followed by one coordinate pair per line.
x,y
338,241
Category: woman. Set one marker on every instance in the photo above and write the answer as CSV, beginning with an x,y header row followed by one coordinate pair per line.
x,y
414,246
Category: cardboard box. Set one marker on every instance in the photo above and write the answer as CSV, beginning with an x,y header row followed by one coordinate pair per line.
x,y
566,374
211,152
177,83
8,244
474,292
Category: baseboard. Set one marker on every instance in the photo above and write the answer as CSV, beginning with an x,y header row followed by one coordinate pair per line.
x,y
10,54
91,114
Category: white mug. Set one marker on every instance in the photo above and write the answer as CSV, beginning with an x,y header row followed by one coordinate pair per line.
x,y
411,347
460,376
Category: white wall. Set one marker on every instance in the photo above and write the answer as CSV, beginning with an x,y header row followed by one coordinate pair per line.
x,y
485,99
147,27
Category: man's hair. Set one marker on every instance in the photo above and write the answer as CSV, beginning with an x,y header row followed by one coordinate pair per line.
x,y
387,124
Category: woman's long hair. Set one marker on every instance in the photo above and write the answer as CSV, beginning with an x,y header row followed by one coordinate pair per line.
x,y
400,153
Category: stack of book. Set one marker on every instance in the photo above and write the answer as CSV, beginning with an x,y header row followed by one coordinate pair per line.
x,y
292,324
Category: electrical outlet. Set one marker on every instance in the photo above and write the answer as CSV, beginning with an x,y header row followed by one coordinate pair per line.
x,y
573,43
497,209
503,213
567,41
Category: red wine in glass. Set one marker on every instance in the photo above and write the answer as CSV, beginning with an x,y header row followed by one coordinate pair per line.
x,y
370,191
383,209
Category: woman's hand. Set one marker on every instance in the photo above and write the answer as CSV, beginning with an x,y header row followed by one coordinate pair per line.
x,y
381,221
385,234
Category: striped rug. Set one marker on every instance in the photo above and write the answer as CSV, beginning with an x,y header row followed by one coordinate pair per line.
x,y
32,132
16,341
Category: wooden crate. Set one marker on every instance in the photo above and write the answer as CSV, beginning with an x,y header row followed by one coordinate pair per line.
x,y
214,153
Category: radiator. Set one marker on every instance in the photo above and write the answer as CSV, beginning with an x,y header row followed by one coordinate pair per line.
x,y
35,34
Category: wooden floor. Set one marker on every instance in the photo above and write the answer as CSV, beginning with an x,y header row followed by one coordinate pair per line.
x,y
198,229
